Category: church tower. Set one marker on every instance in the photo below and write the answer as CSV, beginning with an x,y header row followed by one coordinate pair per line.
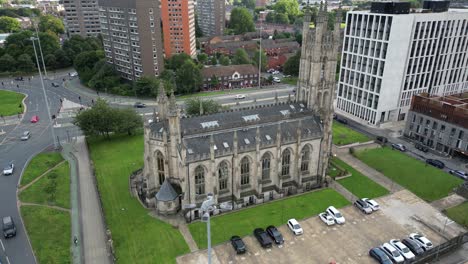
x,y
317,83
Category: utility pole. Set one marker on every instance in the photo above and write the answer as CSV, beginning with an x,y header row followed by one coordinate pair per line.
x,y
40,47
260,58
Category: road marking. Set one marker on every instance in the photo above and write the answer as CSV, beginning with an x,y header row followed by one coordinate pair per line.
x,y
291,243
1,243
8,260
257,253
268,250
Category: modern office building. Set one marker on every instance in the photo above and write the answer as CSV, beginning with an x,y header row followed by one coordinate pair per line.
x,y
131,33
178,20
210,17
390,54
440,122
82,17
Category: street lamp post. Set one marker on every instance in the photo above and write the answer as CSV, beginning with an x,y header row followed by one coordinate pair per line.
x,y
207,207
260,57
40,48
443,230
45,95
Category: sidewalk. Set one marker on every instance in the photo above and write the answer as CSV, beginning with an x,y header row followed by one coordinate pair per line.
x,y
447,202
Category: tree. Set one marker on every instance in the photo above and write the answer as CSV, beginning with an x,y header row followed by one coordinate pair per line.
x,y
209,106
51,23
25,63
255,60
188,78
202,58
224,60
50,61
292,64
177,60
77,44
287,7
240,57
198,31
250,4
241,21
147,86
9,25
7,63
214,81
19,43
104,78
281,18
84,65
62,59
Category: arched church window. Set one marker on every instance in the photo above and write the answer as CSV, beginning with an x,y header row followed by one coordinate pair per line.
x,y
305,159
266,160
160,162
285,162
223,172
199,180
245,171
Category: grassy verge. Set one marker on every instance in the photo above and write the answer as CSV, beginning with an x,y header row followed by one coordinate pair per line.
x,y
50,233
202,94
423,180
342,135
290,80
136,235
52,189
243,223
10,102
459,214
358,184
40,164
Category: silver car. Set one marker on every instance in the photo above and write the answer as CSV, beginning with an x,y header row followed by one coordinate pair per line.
x,y
363,206
26,135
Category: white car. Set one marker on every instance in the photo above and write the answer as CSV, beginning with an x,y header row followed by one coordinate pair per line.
x,y
403,249
392,253
425,243
372,203
326,218
240,96
276,80
275,72
337,216
8,170
73,74
295,227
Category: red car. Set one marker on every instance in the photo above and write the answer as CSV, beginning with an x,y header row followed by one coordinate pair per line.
x,y
35,119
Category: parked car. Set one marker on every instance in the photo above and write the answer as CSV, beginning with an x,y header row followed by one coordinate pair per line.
x,y
26,135
73,74
392,253
295,227
363,206
35,119
275,72
262,237
139,105
326,218
275,234
342,120
276,80
9,228
8,170
372,203
379,255
238,245
19,78
425,243
337,216
54,84
240,96
381,140
421,147
271,70
399,147
413,245
404,250
436,163
459,174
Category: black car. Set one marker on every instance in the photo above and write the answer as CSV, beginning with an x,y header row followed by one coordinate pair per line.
x,y
413,246
238,244
55,84
263,238
9,228
20,78
421,147
275,235
381,140
436,163
400,147
380,256
139,105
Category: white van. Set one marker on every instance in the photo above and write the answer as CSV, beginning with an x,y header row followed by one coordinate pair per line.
x,y
339,218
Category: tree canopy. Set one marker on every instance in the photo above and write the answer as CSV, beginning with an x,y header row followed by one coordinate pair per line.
x,y
188,78
9,25
292,64
241,20
240,57
250,4
192,106
51,23
147,85
256,60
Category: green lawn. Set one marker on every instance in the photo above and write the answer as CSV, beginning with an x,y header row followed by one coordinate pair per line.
x,y
136,235
424,180
40,164
243,223
202,94
50,233
358,184
52,189
334,171
290,80
459,214
10,102
342,135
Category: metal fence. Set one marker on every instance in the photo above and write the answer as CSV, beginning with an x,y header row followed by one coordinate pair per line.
x,y
444,248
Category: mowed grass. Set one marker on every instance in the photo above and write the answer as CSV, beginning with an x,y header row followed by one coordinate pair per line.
x,y
50,233
459,214
138,237
359,184
343,135
243,222
10,102
39,165
52,189
427,182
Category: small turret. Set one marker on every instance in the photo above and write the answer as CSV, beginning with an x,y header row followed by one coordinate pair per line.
x,y
162,101
172,105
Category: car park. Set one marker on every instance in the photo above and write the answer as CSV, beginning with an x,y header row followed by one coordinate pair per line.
x,y
139,105
460,174
363,206
295,227
35,119
326,218
26,135
8,226
436,163
392,253
413,246
404,250
263,238
425,243
240,96
238,245
275,235
372,203
9,169
54,84
399,147
379,255
337,216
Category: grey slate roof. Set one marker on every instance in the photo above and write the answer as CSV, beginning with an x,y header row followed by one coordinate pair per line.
x,y
166,193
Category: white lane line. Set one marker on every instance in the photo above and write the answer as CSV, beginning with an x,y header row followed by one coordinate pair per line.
x,y
1,243
8,260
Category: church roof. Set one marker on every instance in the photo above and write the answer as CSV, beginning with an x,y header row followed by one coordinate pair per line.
x,y
167,192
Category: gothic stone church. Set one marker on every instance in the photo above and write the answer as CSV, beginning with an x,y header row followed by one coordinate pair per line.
x,y
250,155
